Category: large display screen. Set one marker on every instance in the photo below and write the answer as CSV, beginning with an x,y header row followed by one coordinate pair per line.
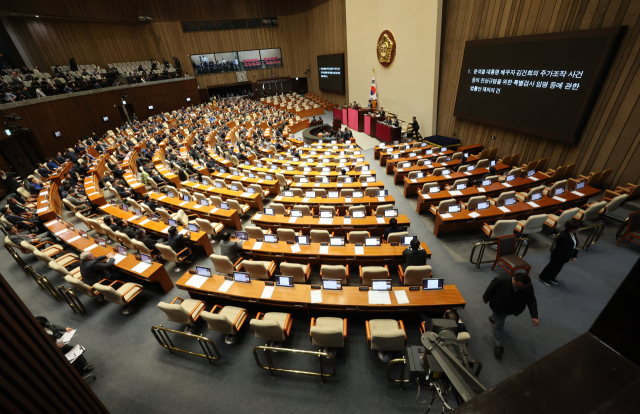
x,y
207,63
544,85
331,73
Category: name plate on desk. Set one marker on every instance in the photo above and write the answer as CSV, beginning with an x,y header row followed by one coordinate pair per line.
x,y
562,200
504,209
446,216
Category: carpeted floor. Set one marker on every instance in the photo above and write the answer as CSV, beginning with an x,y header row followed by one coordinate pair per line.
x,y
135,375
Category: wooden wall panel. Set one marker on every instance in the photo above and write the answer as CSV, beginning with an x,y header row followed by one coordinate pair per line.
x,y
611,138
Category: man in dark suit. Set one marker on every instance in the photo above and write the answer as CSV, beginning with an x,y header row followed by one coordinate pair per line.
x,y
414,255
60,159
142,237
415,127
347,134
395,123
508,295
564,251
55,332
149,202
72,155
393,229
176,241
93,269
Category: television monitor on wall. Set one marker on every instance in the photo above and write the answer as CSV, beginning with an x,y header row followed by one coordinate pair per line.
x,y
331,73
544,85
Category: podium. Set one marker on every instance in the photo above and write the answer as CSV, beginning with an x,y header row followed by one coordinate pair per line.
x,y
370,122
337,113
337,124
388,133
356,118
345,115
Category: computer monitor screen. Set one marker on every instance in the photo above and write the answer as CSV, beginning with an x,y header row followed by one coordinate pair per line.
x,y
170,194
406,165
530,173
304,180
559,191
288,193
336,241
234,187
125,207
358,194
383,193
395,156
492,163
290,168
509,201
326,214
185,198
304,240
333,194
154,217
471,168
348,180
192,179
391,213
145,258
271,238
536,196
194,227
83,234
446,172
511,177
429,152
381,284
284,281
251,190
306,169
296,213
138,213
100,242
241,277
412,154
486,183
173,222
580,185
269,212
420,175
432,284
443,149
483,205
371,179
372,241
454,208
360,159
122,250
203,271
242,235
359,214
204,202
434,189
331,284
218,185
461,187
406,240
324,180
310,194
466,155
224,206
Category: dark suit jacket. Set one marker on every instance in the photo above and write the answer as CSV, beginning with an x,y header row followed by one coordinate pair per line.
x,y
500,293
16,209
94,271
176,242
564,251
414,257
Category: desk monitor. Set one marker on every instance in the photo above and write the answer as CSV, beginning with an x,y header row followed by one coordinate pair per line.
x,y
383,193
380,284
170,194
360,159
303,240
218,185
295,159
100,242
173,223
536,196
559,191
395,156
333,194
530,173
224,206
492,163
466,155
460,187
252,175
454,208
412,154
483,205
391,213
222,170
122,250
336,241
358,194
145,258
241,277
304,180
510,177
296,213
406,165
396,142
306,169
154,217
251,190
203,271
471,168
419,175
446,172
326,169
271,238
333,141
326,214
434,189
288,193
428,162
406,240
429,152
259,164
372,241
432,284
365,168
194,227
247,163
83,234
185,198
348,180
356,152
70,226
331,284
342,160
234,187
323,160
389,150
284,281
268,177
341,152
382,145
204,202
125,207
192,179
443,149
580,185
407,147
290,168
371,179
242,235
359,214
486,182
325,180
310,194
269,212
509,201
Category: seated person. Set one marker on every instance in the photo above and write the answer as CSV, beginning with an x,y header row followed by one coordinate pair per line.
x,y
463,162
55,332
176,241
77,200
149,202
149,242
34,187
32,238
44,172
119,187
109,223
18,208
231,249
125,228
22,223
414,255
93,269
393,229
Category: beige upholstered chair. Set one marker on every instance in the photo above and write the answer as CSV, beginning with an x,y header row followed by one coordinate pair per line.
x,y
357,208
397,236
499,202
381,209
442,207
335,272
234,205
141,248
591,212
111,234
222,264
258,269
164,215
556,221
185,312
386,335
62,271
123,296
299,272
482,164
287,234
172,256
527,196
426,186
437,172
320,236
533,224
255,232
126,241
278,208
551,190
501,228
347,192
357,237
272,326
368,273
209,227
81,286
328,333
228,320
306,211
75,209
413,275
472,203
614,203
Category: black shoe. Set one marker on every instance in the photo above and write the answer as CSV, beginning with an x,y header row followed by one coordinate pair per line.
x,y
491,319
545,281
498,351
555,282
88,368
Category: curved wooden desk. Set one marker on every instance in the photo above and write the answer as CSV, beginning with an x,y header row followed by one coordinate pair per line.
x,y
226,217
411,186
341,204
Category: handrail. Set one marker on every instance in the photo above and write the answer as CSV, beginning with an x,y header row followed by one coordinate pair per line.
x,y
18,259
208,346
43,282
72,300
272,369
622,229
400,380
594,235
483,245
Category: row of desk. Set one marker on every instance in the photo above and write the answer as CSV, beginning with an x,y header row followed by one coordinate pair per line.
x,y
411,186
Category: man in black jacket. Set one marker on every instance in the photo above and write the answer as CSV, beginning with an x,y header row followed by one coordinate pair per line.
x,y
56,332
93,269
564,251
176,241
508,295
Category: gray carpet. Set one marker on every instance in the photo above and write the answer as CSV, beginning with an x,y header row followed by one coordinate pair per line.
x,y
136,375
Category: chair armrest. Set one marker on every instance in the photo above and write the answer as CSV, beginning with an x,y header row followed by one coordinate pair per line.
x,y
237,323
423,327
238,265
313,323
401,326
388,274
344,327
347,272
130,289
299,233
181,251
366,324
272,268
401,273
287,325
307,272
176,298
213,310
194,309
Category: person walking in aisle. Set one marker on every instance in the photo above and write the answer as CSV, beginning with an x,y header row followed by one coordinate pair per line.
x,y
565,250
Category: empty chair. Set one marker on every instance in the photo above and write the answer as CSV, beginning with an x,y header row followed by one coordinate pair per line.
x,y
335,272
589,212
533,224
357,237
501,228
456,156
256,232
483,163
632,190
123,296
443,206
347,192
381,209
299,272
272,326
306,211
234,205
397,236
527,196
612,203
282,181
329,208
368,273
413,275
425,188
517,172
386,335
499,202
320,236
371,191
551,190
328,333
260,270
438,171
259,190
216,201
556,222
133,203
357,208
278,208
287,235
456,183
238,184
320,192
208,227
222,264
297,192
228,320
164,215
507,257
169,254
472,203
186,312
